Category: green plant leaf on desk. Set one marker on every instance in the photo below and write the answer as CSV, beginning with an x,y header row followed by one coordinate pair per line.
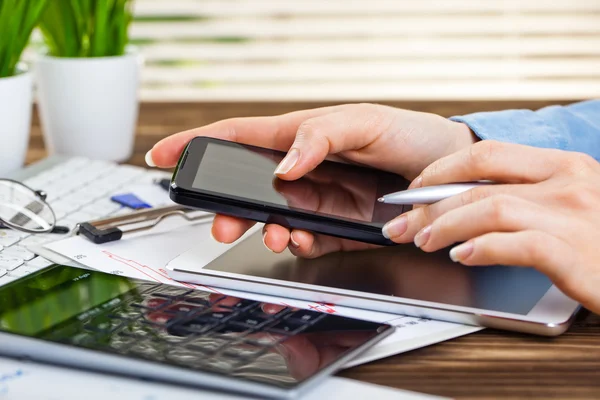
x,y
17,20
86,28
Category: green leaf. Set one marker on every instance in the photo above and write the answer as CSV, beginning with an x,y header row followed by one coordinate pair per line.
x,y
17,20
86,28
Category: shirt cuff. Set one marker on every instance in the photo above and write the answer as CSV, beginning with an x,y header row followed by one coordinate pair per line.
x,y
514,126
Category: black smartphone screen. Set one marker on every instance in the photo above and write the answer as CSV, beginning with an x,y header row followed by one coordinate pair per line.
x,y
335,190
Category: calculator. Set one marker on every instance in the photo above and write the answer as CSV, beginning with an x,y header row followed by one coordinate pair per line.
x,y
113,324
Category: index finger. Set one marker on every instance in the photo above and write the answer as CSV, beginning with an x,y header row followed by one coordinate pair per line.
x,y
276,132
490,160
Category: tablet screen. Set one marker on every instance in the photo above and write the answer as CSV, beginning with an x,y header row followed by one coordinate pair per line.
x,y
399,271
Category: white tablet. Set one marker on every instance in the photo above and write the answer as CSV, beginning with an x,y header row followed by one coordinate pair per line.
x,y
399,279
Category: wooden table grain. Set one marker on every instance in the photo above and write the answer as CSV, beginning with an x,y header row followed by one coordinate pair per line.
x,y
485,365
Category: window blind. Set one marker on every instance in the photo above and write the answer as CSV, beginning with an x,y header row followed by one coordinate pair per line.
x,y
358,50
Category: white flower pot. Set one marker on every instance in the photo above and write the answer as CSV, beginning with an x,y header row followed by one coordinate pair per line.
x,y
15,120
89,106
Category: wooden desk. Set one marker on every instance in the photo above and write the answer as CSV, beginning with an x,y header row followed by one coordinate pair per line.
x,y
488,364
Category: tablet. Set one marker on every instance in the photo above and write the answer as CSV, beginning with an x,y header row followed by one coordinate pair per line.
x,y
400,279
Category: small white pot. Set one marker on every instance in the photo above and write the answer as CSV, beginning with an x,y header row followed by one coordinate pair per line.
x,y
89,106
15,120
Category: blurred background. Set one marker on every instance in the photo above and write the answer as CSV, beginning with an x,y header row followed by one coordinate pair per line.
x,y
207,60
356,50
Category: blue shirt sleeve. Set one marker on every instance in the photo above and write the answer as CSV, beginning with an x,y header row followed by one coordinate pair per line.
x,y
575,127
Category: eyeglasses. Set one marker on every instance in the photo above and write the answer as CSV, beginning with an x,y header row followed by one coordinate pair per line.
x,y
24,209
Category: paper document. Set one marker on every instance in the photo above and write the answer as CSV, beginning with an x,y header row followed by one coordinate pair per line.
x,y
29,381
144,256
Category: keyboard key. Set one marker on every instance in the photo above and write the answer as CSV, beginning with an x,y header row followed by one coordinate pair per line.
x,y
23,271
8,237
102,206
81,216
39,262
41,238
18,252
6,279
65,205
3,272
10,263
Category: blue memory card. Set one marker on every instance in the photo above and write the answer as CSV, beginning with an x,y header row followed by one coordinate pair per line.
x,y
130,200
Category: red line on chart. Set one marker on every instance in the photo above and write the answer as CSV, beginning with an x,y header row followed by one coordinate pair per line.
x,y
139,267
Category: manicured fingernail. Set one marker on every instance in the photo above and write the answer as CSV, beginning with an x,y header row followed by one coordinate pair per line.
x,y
149,159
423,236
293,241
461,252
288,162
265,243
417,183
395,227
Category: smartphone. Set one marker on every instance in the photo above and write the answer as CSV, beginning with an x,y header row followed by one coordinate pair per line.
x,y
335,199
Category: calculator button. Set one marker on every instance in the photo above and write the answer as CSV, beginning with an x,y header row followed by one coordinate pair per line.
x,y
249,321
243,305
287,327
305,315
182,309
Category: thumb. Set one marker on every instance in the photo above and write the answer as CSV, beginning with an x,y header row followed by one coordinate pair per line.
x,y
320,137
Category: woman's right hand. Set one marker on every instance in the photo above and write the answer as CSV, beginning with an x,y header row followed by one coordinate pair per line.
x,y
395,140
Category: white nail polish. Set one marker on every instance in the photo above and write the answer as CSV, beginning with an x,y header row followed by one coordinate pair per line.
x,y
149,159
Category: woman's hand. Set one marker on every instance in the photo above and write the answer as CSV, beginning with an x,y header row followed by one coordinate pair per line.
x,y
399,141
545,214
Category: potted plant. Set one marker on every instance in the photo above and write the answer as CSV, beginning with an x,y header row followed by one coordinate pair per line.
x,y
17,20
88,79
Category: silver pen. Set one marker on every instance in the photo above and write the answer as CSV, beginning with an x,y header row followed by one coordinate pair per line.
x,y
430,194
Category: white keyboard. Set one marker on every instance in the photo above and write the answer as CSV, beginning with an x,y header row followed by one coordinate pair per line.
x,y
78,190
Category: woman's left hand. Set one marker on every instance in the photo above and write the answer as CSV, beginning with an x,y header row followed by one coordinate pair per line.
x,y
544,213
